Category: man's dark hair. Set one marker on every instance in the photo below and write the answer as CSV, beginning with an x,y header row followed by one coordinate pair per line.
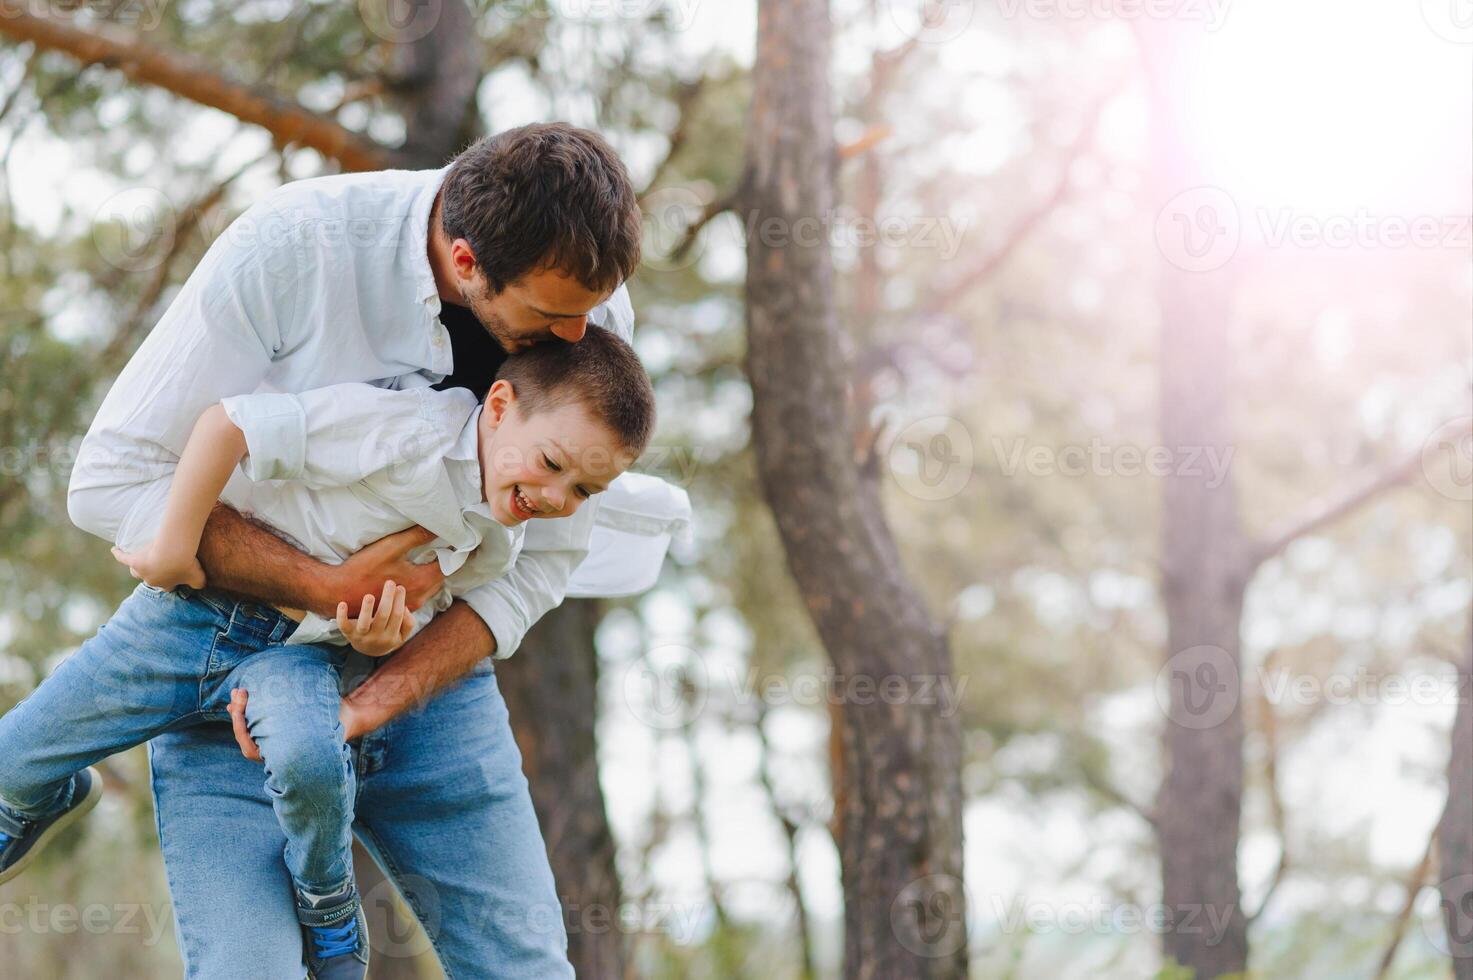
x,y
546,195
600,372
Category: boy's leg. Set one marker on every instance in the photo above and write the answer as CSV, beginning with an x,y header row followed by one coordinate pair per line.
x,y
292,713
140,673
444,807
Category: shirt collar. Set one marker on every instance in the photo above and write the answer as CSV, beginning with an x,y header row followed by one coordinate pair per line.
x,y
419,235
465,456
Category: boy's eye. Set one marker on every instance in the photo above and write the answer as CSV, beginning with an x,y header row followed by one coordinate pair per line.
x,y
584,493
550,464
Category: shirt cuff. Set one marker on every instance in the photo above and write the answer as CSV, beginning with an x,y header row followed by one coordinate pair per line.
x,y
275,430
506,619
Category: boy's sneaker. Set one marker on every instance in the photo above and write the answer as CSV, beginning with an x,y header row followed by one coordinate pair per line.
x,y
334,935
22,840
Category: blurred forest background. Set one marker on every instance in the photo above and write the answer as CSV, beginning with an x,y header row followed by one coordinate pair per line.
x,y
1155,333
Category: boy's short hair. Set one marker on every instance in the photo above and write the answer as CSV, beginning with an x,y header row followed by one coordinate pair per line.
x,y
545,195
601,372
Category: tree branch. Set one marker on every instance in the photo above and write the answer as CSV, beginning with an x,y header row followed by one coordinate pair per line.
x,y
957,289
191,79
1276,798
717,207
685,100
1413,886
1328,510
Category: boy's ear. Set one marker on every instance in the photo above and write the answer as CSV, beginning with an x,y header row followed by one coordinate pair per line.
x,y
499,401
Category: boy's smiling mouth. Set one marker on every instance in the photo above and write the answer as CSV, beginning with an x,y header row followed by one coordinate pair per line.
x,y
521,506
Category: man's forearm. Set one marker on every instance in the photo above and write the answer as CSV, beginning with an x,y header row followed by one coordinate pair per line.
x,y
244,557
440,654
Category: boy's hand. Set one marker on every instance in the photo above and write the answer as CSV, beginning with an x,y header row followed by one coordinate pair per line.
x,y
156,567
378,635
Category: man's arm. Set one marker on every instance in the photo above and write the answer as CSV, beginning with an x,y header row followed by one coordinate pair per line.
x,y
440,654
243,556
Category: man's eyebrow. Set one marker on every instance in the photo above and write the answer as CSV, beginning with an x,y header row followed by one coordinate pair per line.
x,y
556,316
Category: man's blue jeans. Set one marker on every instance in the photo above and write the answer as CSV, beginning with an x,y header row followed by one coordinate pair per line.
x,y
440,797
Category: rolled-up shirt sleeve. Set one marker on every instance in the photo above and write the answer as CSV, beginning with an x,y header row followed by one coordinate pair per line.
x,y
218,338
341,434
510,605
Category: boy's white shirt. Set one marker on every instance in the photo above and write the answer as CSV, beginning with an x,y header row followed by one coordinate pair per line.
x,y
338,468
325,281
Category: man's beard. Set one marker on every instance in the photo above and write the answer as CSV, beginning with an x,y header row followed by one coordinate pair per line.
x,y
475,301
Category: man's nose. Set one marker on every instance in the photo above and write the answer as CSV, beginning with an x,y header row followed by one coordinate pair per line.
x,y
571,329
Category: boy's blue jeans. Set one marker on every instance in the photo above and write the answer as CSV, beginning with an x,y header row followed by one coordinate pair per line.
x,y
165,660
441,800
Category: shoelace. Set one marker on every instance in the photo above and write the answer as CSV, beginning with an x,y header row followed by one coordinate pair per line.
x,y
336,940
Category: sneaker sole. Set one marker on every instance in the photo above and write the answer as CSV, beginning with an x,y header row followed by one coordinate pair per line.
x,y
94,793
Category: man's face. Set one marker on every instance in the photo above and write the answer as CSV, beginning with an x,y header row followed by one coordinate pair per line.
x,y
545,464
542,305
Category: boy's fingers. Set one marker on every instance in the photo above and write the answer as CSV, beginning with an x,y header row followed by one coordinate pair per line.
x,y
248,747
365,614
385,607
399,613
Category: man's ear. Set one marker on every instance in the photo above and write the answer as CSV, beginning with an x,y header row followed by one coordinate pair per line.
x,y
499,401
463,259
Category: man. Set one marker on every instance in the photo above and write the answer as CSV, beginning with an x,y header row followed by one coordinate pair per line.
x,y
397,278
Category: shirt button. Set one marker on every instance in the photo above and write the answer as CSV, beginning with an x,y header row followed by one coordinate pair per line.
x,y
439,340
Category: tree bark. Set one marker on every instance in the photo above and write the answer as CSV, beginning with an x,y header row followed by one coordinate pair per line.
x,y
1203,548
900,827
1455,833
551,691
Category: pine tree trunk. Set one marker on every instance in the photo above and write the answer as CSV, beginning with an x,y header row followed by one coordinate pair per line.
x,y
1203,565
899,823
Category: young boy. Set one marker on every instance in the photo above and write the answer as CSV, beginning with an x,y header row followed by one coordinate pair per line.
x,y
333,470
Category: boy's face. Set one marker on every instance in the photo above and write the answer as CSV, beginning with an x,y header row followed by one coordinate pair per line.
x,y
545,464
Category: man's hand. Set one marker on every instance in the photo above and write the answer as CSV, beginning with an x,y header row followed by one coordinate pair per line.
x,y
157,566
353,726
366,571
382,634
